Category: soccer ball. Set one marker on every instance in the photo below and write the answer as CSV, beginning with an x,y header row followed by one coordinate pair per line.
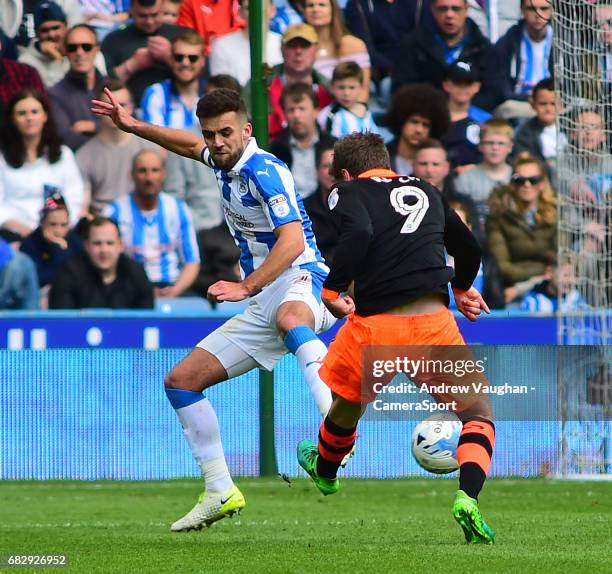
x,y
434,443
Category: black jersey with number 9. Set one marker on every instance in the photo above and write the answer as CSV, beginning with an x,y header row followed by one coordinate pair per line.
x,y
393,232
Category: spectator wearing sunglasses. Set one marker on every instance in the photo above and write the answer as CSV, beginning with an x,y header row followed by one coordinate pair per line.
x,y
172,103
47,51
71,97
522,226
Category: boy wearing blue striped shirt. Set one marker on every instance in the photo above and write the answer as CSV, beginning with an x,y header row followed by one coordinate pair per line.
x,y
346,114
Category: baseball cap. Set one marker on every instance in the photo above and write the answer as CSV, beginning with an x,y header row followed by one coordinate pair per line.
x,y
303,31
462,72
48,12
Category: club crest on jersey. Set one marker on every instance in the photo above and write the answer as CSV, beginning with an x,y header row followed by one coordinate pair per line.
x,y
243,188
332,200
279,205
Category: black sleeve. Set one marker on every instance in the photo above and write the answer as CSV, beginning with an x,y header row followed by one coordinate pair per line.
x,y
462,245
355,231
61,294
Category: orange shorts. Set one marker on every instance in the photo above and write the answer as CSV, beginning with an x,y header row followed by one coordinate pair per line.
x,y
342,368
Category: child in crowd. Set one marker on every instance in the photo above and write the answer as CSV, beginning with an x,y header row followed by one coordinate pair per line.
x,y
170,11
557,292
478,183
346,114
52,242
539,135
461,141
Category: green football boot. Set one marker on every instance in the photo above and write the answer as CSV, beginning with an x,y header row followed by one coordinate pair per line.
x,y
467,514
307,453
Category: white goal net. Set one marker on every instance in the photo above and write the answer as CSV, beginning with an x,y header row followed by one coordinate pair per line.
x,y
583,79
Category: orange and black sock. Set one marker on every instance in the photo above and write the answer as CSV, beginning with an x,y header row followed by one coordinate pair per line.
x,y
334,444
474,453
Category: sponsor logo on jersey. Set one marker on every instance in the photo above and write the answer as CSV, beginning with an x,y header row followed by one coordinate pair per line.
x,y
239,220
279,205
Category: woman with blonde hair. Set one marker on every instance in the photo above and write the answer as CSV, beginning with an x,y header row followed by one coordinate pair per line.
x,y
522,226
335,43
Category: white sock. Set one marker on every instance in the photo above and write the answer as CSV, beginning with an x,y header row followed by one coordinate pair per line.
x,y
201,428
309,356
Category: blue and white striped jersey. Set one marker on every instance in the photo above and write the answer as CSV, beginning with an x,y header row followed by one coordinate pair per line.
x,y
258,195
161,105
163,240
339,121
534,62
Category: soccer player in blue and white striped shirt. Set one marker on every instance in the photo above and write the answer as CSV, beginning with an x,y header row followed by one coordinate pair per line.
x,y
283,274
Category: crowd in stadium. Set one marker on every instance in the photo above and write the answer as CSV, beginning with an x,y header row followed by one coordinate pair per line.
x,y
91,216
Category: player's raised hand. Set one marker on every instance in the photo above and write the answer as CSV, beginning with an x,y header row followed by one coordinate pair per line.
x,y
227,291
470,303
340,307
116,112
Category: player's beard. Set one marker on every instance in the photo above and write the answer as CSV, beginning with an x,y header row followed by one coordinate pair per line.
x,y
226,161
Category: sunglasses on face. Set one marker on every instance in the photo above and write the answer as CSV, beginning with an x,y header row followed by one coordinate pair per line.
x,y
520,180
193,58
444,9
72,48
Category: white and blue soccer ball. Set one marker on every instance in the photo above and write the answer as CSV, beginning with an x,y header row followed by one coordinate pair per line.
x,y
434,443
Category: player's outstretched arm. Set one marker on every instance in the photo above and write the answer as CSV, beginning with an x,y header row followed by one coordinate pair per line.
x,y
470,303
178,141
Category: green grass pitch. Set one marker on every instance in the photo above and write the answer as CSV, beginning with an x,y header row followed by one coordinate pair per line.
x,y
369,526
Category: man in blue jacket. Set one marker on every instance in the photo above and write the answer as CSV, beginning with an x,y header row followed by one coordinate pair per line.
x,y
424,55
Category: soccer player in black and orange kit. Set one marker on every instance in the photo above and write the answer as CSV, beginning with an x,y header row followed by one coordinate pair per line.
x,y
393,234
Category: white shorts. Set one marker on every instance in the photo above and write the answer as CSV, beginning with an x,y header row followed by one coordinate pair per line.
x,y
251,339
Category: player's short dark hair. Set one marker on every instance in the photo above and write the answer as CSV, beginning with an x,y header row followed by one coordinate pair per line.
x,y
223,81
221,101
419,100
548,85
347,70
99,221
297,92
360,152
145,3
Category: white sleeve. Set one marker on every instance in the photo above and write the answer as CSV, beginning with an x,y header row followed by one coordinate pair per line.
x,y
72,185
